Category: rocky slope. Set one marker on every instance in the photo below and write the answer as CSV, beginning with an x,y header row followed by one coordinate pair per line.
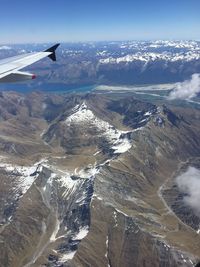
x,y
89,180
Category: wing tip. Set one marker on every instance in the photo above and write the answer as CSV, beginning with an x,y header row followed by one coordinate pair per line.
x,y
52,49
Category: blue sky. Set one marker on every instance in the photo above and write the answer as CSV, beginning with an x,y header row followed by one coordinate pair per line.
x,y
87,20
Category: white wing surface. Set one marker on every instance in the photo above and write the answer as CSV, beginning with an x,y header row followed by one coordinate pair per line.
x,y
10,67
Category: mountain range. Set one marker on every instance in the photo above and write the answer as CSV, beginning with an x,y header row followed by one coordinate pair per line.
x,y
91,180
112,63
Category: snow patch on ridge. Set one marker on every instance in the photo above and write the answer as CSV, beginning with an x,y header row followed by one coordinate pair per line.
x,y
25,174
121,212
122,146
106,254
80,114
89,172
83,115
81,234
67,256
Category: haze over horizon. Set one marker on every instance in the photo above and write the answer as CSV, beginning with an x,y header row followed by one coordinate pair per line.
x,y
67,21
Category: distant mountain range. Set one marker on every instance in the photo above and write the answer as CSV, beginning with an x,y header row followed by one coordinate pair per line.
x,y
116,63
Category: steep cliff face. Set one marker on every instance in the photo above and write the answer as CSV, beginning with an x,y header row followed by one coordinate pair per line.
x,y
89,180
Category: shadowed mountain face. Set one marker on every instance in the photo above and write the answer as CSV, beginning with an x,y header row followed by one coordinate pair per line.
x,y
90,180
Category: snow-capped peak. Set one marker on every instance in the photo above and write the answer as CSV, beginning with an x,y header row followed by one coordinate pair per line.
x,y
84,116
80,113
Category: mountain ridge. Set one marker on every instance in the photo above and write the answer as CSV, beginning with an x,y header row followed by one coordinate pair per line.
x,y
89,182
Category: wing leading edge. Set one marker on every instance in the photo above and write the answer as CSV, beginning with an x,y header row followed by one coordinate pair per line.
x,y
10,67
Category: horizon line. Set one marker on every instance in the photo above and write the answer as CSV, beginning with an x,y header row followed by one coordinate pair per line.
x,y
98,41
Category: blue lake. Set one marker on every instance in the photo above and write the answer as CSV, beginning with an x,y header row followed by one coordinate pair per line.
x,y
44,87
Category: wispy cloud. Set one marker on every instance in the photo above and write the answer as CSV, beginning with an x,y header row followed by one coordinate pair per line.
x,y
186,89
189,183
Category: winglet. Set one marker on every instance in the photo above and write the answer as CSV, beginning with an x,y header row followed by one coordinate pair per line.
x,y
52,49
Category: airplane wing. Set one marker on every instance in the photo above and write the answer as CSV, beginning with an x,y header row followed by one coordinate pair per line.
x,y
10,67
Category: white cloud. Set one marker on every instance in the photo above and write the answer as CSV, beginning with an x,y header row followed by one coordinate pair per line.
x,y
189,183
186,89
